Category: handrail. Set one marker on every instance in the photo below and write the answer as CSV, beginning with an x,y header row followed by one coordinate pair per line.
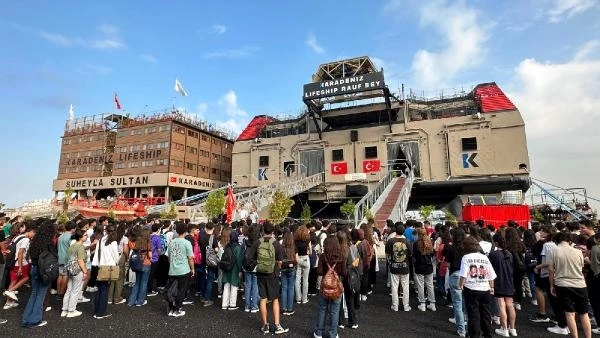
x,y
193,198
402,203
371,197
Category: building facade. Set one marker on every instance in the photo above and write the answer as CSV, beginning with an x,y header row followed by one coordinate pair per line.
x,y
155,159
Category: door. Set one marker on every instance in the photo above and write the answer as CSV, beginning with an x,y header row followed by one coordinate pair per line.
x,y
311,162
402,155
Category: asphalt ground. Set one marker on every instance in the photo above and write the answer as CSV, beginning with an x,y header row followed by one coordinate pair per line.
x,y
376,320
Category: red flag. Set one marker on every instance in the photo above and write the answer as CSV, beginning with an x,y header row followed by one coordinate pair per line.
x,y
117,101
371,165
339,168
229,205
173,179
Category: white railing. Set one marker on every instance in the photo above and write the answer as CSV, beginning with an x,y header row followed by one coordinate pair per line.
x,y
402,204
367,202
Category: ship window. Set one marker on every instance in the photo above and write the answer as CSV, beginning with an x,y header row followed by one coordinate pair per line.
x,y
263,161
469,143
337,155
370,152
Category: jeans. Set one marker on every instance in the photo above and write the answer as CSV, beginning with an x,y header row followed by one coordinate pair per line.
x,y
74,287
210,279
425,281
288,280
457,303
251,290
331,308
352,303
302,271
100,303
200,271
137,296
32,315
531,277
478,308
404,281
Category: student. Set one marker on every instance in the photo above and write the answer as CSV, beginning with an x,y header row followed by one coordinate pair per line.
x,y
249,265
477,288
107,253
231,278
398,249
181,269
20,271
303,248
288,273
502,260
140,241
75,282
269,255
423,254
64,242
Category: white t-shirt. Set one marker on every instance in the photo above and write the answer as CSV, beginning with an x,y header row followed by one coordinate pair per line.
x,y
124,241
22,244
477,271
547,250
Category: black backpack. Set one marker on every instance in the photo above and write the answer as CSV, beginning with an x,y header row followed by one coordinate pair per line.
x,y
136,262
48,265
227,259
249,262
12,256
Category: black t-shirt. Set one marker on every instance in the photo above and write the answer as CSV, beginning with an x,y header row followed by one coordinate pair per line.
x,y
301,248
452,256
536,250
590,243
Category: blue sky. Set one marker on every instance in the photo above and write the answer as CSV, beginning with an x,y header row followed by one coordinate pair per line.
x,y
237,59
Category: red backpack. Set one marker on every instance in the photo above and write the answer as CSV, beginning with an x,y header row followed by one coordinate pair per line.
x,y
331,285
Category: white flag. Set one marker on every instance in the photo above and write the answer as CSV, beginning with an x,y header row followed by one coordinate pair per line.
x,y
71,112
179,88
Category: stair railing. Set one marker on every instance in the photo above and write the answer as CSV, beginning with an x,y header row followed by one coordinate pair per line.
x,y
372,196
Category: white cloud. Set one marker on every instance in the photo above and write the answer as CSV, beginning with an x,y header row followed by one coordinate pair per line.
x,y
311,41
568,8
57,39
149,58
561,108
219,29
229,103
238,53
233,125
108,29
106,44
201,108
587,50
462,37
92,68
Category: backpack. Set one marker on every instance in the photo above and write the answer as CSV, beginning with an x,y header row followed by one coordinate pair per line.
x,y
331,285
197,253
48,266
249,262
265,256
136,262
12,256
227,259
163,243
354,271
212,260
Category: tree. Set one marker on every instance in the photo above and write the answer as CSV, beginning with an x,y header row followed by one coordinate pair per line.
x,y
280,207
62,218
171,213
111,214
215,203
537,215
426,210
369,216
306,214
347,209
449,216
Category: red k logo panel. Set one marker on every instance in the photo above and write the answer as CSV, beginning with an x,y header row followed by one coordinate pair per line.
x,y
339,168
371,165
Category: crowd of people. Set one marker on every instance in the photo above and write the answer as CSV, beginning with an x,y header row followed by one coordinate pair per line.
x,y
483,273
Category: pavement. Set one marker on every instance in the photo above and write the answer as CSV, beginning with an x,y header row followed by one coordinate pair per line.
x,y
151,320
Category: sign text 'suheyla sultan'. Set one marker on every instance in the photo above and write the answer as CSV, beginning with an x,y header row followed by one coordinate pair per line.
x,y
108,182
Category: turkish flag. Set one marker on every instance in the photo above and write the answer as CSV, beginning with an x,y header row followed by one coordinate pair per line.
x,y
339,168
371,165
117,102
173,179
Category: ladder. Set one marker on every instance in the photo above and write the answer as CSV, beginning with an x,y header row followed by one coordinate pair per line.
x,y
260,197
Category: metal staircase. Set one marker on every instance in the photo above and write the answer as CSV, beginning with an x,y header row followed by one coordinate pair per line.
x,y
398,198
195,199
260,197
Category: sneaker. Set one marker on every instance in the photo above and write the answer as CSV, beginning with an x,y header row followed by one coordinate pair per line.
x,y
265,329
63,314
462,334
355,326
254,310
152,294
119,302
305,301
54,292
596,331
83,300
559,330
3,321
179,313
187,302
74,314
395,309
247,310
220,296
407,309
280,329
431,307
11,295
341,326
102,317
517,306
208,303
160,288
496,320
422,307
291,312
502,332
10,305
40,324
91,289
315,335
369,292
512,332
540,318
452,320
144,303
232,308
534,302
48,309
